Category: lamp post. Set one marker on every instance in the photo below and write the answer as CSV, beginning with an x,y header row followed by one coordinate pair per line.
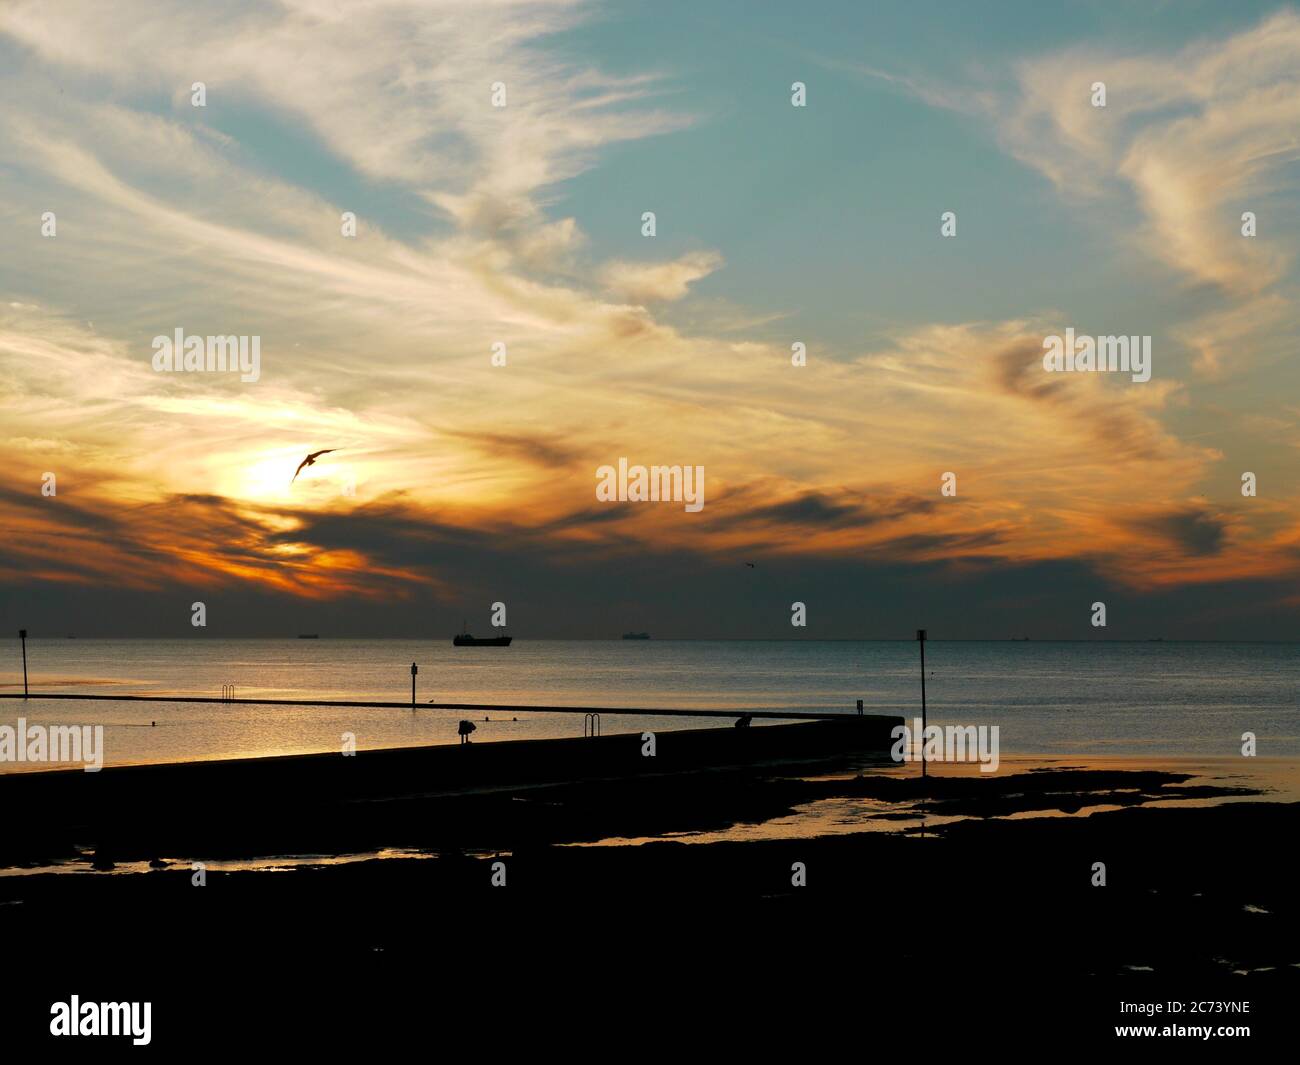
x,y
920,638
22,635
414,670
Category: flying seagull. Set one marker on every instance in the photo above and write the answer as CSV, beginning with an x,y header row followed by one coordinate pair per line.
x,y
750,565
310,460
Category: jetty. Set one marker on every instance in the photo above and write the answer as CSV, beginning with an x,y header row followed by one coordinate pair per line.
x,y
337,803
452,768
803,735
505,708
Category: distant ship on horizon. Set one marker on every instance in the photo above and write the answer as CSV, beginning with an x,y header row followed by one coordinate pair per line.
x,y
636,636
464,639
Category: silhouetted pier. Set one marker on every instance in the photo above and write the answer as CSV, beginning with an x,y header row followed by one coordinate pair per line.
x,y
240,791
505,708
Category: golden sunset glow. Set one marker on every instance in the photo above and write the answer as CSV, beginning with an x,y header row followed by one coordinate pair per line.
x,y
381,346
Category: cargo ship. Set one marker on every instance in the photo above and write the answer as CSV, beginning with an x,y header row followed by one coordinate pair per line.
x,y
464,639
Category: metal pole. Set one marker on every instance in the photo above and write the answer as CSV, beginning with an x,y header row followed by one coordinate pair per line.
x,y
22,635
414,670
920,638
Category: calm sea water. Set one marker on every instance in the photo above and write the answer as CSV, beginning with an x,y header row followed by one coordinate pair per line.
x,y
1154,699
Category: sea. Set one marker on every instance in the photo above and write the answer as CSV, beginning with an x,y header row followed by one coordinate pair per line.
x,y
1155,700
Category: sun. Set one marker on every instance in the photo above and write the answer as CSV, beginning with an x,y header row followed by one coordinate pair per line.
x,y
264,477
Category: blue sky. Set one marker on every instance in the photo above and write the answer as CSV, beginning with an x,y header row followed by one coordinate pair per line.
x,y
522,225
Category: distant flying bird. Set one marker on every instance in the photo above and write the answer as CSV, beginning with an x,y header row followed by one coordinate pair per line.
x,y
310,460
750,565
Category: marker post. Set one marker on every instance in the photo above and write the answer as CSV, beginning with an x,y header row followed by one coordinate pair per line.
x,y
920,638
22,635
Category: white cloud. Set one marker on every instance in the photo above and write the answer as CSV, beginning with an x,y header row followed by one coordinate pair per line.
x,y
647,282
1198,136
1191,138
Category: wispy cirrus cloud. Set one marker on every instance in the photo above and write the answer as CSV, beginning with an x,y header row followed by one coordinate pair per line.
x,y
379,346
648,282
1198,135
1189,138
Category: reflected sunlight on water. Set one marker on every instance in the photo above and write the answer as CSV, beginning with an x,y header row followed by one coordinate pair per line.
x,y
1156,699
1272,780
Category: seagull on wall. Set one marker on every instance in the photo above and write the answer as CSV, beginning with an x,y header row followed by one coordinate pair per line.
x,y
310,460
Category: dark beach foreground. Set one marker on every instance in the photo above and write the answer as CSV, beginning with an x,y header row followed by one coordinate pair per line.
x,y
990,889
331,803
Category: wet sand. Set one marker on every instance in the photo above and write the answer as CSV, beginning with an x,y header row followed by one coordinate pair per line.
x,y
331,803
980,870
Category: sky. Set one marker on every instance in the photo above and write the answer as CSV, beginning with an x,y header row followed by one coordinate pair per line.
x,y
499,159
